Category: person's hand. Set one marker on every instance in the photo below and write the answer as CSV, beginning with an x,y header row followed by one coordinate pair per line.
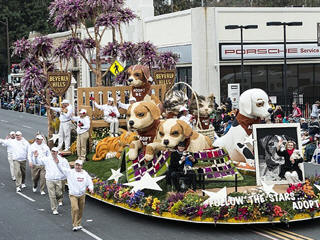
x,y
91,191
30,164
47,106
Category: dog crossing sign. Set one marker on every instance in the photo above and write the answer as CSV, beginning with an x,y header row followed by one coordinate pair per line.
x,y
116,68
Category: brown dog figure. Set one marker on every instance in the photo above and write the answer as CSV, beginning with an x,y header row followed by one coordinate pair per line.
x,y
142,117
171,132
140,80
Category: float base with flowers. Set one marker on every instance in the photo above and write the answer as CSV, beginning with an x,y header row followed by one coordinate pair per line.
x,y
264,205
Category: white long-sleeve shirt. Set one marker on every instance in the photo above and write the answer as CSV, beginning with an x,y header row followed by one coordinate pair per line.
x,y
64,117
107,109
20,149
85,121
53,173
8,143
42,149
78,182
124,105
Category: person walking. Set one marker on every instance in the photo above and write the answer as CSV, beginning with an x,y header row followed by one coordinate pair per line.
x,y
111,115
8,142
78,181
38,171
19,157
83,126
65,124
54,177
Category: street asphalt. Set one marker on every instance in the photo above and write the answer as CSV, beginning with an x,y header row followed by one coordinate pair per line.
x,y
24,219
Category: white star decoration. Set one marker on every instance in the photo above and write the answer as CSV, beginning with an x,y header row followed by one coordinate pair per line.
x,y
54,138
146,182
115,175
249,140
219,197
267,188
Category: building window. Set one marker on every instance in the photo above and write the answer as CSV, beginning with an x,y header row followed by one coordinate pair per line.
x,y
259,77
275,79
305,80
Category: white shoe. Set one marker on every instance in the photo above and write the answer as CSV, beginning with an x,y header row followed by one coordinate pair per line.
x,y
60,204
55,212
74,229
43,193
79,227
13,178
23,185
18,189
66,150
34,189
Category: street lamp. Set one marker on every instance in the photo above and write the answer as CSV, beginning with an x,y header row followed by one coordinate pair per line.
x,y
231,27
284,24
8,50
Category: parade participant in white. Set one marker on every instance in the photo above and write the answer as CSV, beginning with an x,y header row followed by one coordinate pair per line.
x,y
8,143
38,171
184,115
20,156
83,126
111,115
125,106
65,123
78,181
54,176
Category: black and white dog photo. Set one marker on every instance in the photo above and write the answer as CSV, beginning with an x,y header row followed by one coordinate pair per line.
x,y
266,138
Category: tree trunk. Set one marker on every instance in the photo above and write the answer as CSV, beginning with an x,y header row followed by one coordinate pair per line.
x,y
49,117
98,67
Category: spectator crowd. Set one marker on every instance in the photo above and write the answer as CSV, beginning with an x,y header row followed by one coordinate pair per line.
x,y
13,98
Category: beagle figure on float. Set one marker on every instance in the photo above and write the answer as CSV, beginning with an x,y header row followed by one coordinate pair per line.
x,y
140,80
253,106
173,131
142,117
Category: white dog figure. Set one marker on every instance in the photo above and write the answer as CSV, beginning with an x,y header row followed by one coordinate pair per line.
x,y
253,106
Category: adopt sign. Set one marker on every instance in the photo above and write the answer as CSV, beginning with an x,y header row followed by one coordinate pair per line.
x,y
164,77
59,82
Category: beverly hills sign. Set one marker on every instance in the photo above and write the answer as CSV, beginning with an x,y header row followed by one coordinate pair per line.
x,y
59,82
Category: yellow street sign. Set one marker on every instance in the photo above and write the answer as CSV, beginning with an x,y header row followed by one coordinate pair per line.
x,y
116,68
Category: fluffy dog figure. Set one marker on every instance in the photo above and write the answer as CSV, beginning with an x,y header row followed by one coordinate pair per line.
x,y
173,101
272,159
253,106
206,108
142,117
140,80
171,132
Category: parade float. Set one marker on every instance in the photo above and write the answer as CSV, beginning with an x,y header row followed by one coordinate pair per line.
x,y
235,183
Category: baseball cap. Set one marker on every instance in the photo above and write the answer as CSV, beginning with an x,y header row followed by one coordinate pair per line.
x,y
39,137
55,149
132,99
65,101
111,99
181,144
83,111
78,161
12,133
18,133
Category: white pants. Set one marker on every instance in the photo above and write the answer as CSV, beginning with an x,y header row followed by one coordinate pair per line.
x,y
292,177
10,160
64,135
114,124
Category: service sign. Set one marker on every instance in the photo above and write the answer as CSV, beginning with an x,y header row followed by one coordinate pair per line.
x,y
269,51
166,77
59,82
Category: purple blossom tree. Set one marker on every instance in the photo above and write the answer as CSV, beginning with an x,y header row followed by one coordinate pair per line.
x,y
102,14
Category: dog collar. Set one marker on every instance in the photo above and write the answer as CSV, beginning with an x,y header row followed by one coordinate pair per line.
x,y
246,122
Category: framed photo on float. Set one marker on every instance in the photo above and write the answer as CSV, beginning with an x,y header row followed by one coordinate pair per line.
x,y
268,162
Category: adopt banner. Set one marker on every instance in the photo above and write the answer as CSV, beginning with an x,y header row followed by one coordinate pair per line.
x,y
59,82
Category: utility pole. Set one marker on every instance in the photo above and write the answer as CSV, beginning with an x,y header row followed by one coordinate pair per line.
x,y
8,49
